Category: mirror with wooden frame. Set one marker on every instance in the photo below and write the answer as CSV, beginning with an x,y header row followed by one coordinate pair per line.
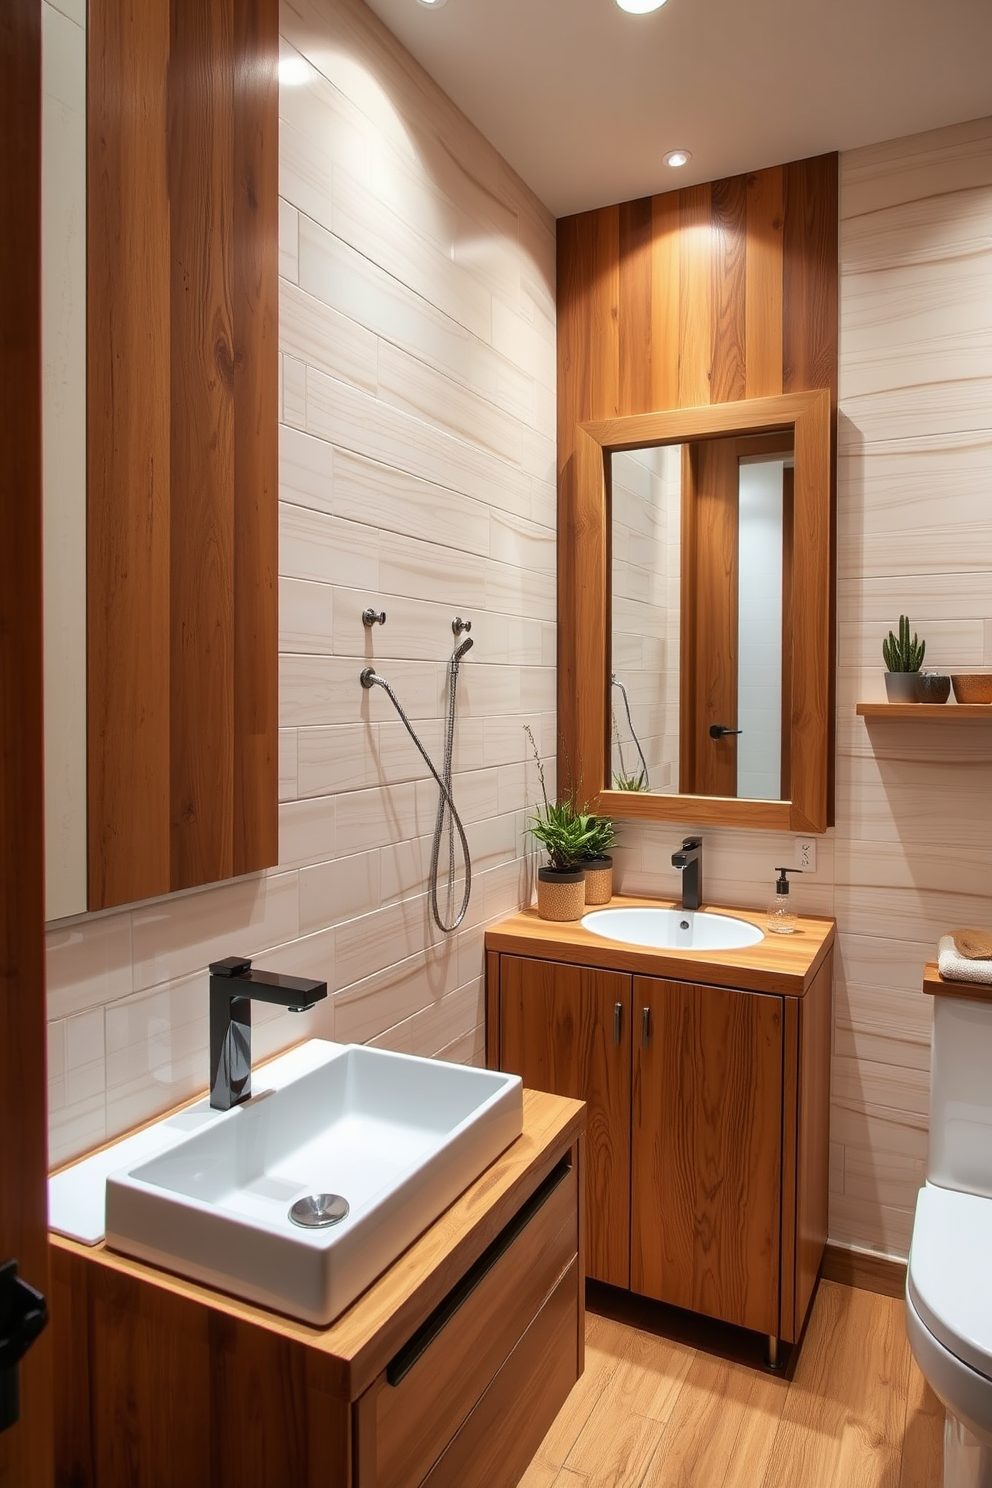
x,y
698,589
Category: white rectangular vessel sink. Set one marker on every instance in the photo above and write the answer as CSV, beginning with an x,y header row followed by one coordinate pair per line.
x,y
399,1138
673,929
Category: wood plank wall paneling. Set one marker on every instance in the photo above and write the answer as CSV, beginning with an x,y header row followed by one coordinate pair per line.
x,y
182,444
127,462
25,1449
256,447
714,293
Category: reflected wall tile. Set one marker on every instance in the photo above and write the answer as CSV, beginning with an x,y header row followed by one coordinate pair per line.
x,y
88,962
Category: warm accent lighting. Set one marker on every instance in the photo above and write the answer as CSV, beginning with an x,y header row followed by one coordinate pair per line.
x,y
675,158
433,4
640,7
293,72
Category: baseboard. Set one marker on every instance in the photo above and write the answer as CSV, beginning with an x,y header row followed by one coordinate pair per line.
x,y
861,1268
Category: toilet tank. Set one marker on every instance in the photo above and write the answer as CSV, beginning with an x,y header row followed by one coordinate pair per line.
x,y
961,1095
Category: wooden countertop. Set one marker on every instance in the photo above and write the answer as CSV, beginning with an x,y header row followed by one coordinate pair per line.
x,y
785,964
940,986
355,1348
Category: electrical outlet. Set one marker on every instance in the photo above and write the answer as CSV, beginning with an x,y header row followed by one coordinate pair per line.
x,y
805,858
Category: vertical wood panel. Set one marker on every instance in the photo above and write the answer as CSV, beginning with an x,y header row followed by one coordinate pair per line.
x,y
711,588
665,299
127,434
695,291
728,241
256,456
763,286
25,1449
635,293
182,434
201,187
809,321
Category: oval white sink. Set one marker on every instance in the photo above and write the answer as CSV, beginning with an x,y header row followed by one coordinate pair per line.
x,y
673,929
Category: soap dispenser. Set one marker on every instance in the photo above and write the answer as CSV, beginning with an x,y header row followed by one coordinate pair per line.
x,y
781,915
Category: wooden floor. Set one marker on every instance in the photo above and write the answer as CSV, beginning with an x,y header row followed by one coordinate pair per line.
x,y
668,1400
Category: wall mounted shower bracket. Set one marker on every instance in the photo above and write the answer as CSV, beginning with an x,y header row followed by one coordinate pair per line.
x,y
458,625
372,617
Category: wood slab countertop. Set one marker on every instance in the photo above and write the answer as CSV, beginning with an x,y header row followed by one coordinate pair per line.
x,y
355,1348
940,986
785,964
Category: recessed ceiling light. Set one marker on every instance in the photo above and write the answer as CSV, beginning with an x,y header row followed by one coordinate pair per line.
x,y
640,7
433,4
676,158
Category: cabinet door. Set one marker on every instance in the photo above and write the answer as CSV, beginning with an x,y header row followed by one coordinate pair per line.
x,y
560,1031
707,1150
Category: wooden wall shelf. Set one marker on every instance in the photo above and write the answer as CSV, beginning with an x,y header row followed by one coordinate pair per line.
x,y
960,712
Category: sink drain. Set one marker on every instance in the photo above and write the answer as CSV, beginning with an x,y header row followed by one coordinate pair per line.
x,y
317,1211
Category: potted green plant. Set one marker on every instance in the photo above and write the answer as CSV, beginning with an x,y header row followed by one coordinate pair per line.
x,y
903,659
597,862
565,833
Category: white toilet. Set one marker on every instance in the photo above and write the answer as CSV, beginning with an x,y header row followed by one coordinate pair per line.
x,y
949,1278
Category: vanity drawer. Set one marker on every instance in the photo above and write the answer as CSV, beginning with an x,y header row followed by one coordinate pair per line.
x,y
408,1418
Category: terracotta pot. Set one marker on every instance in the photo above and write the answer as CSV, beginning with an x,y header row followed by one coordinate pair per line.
x,y
561,896
599,879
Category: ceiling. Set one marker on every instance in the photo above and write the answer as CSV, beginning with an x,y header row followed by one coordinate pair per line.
x,y
584,100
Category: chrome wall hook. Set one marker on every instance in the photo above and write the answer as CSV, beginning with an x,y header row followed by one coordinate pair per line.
x,y
372,617
458,625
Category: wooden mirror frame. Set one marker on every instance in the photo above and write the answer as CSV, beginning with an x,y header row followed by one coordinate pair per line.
x,y
584,605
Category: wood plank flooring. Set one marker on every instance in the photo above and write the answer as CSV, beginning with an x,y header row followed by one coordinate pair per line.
x,y
668,1400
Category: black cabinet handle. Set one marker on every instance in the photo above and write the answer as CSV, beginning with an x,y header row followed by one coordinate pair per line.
x,y
717,731
617,1021
645,1027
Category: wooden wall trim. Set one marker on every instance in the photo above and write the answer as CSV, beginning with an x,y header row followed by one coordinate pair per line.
x,y
25,1449
860,1268
713,294
182,444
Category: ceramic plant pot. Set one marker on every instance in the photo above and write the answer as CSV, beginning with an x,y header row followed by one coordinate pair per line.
x,y
903,687
599,879
561,896
934,688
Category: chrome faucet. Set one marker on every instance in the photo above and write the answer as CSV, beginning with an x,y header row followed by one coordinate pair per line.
x,y
689,859
233,989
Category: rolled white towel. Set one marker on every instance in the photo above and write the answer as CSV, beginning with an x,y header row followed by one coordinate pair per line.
x,y
957,968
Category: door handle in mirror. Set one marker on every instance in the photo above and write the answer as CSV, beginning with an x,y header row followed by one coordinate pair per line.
x,y
717,731
617,1021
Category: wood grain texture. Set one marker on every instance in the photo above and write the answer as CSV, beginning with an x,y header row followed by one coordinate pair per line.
x,y
167,1383
201,191
673,1401
128,453
255,312
706,1152
928,712
939,986
783,964
858,1268
812,1139
709,610
557,1031
182,267
25,1449
354,1350
719,293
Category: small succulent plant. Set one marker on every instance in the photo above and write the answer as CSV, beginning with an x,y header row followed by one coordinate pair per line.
x,y
625,781
902,654
602,836
561,827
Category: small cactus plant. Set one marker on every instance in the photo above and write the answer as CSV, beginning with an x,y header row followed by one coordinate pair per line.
x,y
902,654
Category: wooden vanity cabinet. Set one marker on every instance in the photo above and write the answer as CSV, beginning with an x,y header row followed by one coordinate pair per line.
x,y
707,1110
446,1373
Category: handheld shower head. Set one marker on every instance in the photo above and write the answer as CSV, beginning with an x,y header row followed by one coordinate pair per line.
x,y
466,645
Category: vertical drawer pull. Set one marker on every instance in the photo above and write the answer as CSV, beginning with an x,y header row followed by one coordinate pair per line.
x,y
645,1027
617,1021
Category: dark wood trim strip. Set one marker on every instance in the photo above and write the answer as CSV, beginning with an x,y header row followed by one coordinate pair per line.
x,y
860,1268
25,1449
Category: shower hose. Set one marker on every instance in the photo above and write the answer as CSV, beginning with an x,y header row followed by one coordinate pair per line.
x,y
445,806
630,725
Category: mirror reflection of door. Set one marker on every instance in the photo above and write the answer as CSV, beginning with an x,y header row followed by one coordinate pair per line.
x,y
701,559
735,700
